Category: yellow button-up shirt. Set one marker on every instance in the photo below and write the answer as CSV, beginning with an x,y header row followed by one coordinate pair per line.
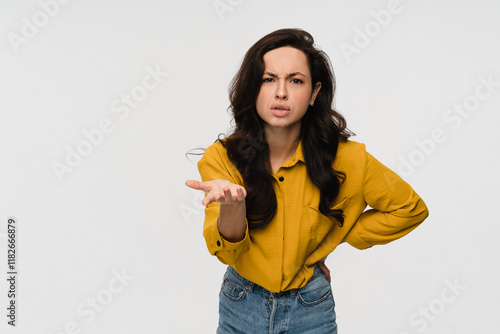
x,y
281,256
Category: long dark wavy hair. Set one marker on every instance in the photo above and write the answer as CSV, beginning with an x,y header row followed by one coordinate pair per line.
x,y
321,129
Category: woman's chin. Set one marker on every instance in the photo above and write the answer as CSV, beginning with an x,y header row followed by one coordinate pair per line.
x,y
282,124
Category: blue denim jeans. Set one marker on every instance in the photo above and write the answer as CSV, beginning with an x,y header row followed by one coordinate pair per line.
x,y
245,307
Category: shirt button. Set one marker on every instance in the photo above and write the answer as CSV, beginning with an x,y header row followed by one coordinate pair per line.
x,y
281,178
218,243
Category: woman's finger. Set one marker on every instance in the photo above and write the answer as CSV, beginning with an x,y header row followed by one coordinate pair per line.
x,y
212,196
236,195
205,186
193,184
207,200
325,270
240,194
227,195
232,195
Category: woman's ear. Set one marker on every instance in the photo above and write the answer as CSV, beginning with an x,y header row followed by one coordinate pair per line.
x,y
315,92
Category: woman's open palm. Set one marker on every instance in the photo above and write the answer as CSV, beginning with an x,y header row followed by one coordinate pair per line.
x,y
221,191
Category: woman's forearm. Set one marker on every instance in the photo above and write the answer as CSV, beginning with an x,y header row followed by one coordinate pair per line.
x,y
232,221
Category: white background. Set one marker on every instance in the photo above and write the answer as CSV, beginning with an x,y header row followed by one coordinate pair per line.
x,y
125,208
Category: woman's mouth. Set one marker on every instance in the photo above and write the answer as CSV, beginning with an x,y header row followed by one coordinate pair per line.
x,y
280,110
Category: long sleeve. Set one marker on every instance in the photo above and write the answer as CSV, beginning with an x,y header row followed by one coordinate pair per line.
x,y
396,209
215,165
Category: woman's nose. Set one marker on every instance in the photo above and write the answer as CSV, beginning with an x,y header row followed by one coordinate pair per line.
x,y
281,91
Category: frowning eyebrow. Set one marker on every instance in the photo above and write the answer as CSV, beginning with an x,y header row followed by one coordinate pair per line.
x,y
289,75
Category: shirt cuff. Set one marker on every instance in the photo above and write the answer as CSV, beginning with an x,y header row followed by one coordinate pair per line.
x,y
221,244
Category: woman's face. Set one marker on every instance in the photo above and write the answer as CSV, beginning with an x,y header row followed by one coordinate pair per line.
x,y
286,91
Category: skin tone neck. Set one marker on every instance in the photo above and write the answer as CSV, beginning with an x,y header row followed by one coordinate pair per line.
x,y
282,144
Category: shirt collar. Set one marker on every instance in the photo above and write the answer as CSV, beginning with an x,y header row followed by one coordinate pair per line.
x,y
297,156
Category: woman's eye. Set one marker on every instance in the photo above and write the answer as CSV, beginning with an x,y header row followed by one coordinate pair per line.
x,y
267,80
297,81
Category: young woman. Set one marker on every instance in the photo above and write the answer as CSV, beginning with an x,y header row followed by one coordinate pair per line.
x,y
287,187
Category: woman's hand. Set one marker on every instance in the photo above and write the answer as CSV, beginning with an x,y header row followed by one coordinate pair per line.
x,y
324,268
222,191
232,221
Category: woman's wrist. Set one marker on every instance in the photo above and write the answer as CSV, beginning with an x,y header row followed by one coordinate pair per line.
x,y
232,221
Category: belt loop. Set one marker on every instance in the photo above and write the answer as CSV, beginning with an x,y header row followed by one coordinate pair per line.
x,y
249,286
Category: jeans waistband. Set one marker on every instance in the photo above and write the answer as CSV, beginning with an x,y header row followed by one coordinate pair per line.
x,y
249,285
